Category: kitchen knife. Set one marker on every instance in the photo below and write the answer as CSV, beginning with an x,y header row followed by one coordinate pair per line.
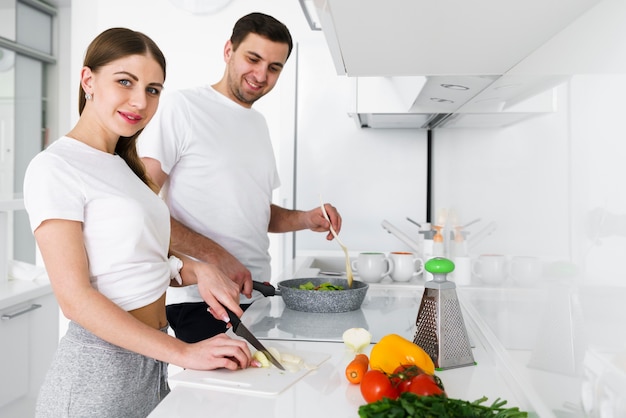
x,y
240,329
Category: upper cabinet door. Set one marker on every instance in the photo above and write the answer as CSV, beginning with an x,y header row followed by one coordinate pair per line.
x,y
443,37
7,20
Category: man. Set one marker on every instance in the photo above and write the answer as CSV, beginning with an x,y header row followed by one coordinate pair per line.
x,y
212,155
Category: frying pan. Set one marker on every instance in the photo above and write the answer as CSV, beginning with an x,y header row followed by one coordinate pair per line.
x,y
322,301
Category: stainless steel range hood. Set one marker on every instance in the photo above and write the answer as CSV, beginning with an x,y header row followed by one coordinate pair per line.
x,y
453,63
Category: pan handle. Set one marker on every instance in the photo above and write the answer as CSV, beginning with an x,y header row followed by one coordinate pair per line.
x,y
264,287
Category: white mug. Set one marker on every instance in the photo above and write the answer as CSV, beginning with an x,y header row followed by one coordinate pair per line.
x,y
525,270
406,265
490,268
372,267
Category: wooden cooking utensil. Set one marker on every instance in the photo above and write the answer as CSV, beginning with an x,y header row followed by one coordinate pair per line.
x,y
349,274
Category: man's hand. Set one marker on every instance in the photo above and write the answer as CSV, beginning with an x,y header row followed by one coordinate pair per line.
x,y
288,220
186,241
234,270
316,222
216,289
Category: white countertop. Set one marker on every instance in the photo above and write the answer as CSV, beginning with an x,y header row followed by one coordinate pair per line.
x,y
32,283
325,391
534,347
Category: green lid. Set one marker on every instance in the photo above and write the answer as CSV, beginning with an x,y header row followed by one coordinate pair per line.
x,y
439,265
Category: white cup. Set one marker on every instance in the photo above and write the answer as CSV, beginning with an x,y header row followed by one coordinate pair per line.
x,y
525,270
372,267
490,268
406,265
462,273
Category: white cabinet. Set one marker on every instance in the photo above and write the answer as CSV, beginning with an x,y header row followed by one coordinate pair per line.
x,y
29,332
445,37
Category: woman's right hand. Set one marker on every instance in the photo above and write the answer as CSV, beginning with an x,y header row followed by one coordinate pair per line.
x,y
218,352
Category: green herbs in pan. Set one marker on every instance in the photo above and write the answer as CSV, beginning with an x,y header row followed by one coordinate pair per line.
x,y
323,286
410,405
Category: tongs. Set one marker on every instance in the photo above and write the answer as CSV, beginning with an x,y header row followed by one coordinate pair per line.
x,y
349,275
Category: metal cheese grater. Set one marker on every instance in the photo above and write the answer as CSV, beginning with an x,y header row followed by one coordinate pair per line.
x,y
441,330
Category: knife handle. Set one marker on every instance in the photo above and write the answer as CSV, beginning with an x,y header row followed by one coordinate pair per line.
x,y
234,319
264,287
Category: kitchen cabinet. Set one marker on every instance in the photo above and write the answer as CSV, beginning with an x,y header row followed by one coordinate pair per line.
x,y
451,37
29,334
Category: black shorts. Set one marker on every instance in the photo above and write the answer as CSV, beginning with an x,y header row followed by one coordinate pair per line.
x,y
192,322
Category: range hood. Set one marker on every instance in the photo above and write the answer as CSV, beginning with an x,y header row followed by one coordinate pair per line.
x,y
454,63
428,102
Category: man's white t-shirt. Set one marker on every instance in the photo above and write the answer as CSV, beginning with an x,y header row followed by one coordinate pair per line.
x,y
222,172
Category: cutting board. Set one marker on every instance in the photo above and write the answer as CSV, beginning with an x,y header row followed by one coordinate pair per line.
x,y
256,381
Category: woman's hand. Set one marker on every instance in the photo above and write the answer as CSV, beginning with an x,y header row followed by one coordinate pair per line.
x,y
218,352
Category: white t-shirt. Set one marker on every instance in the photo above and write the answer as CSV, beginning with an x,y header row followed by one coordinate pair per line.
x,y
126,225
222,172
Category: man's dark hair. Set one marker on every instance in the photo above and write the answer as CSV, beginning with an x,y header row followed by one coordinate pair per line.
x,y
262,25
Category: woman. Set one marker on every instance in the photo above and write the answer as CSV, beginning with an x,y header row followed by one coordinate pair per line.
x,y
104,235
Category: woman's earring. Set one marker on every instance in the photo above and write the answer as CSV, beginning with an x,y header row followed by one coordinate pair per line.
x,y
88,96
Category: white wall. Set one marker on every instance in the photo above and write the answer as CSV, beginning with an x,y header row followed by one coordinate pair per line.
x,y
369,174
553,184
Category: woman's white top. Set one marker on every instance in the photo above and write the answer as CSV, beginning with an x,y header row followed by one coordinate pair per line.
x,y
126,226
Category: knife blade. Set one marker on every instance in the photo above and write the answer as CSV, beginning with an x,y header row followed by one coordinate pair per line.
x,y
240,329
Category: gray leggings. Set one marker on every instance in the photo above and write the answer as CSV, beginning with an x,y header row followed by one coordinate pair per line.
x,y
90,377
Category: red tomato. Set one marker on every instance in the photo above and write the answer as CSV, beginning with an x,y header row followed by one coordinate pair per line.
x,y
402,375
376,385
424,385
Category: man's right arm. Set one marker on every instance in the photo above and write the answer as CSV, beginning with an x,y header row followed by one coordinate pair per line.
x,y
189,242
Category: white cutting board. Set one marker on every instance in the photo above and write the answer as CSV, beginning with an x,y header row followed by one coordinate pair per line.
x,y
257,381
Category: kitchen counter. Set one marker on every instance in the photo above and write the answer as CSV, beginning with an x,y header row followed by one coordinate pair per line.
x,y
534,347
32,284
325,391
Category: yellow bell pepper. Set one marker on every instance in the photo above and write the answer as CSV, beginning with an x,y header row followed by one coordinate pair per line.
x,y
393,350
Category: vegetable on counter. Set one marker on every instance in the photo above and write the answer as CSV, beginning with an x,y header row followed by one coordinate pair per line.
x,y
410,378
357,339
393,350
376,385
401,383
411,405
291,363
357,368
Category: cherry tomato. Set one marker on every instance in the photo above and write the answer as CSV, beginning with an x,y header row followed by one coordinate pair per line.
x,y
424,385
377,385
